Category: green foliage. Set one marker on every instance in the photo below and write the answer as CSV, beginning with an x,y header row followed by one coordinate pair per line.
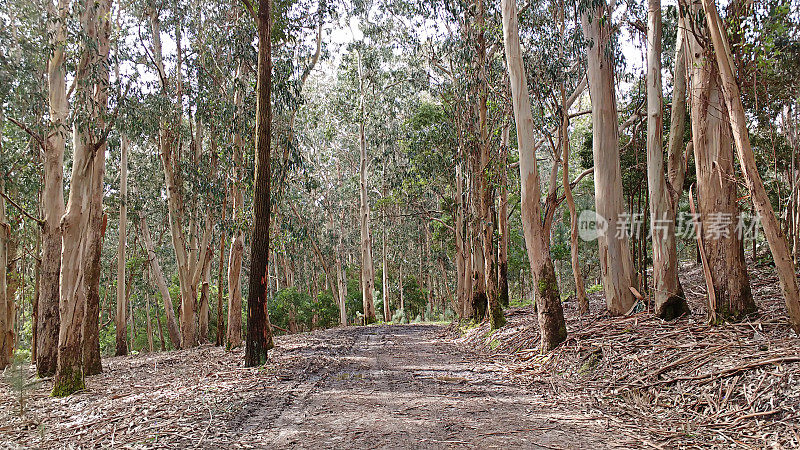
x,y
16,377
414,297
399,316
294,309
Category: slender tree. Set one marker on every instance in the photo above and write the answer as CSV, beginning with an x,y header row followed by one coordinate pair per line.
x,y
259,331
615,257
548,302
119,318
53,192
733,100
669,301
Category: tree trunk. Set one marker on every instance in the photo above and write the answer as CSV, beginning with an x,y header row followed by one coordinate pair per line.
x,y
234,333
614,253
580,287
367,264
119,318
669,301
80,243
341,275
220,323
716,189
91,278
259,330
53,194
35,300
385,269
777,241
400,286
461,295
676,157
548,303
6,302
158,277
149,325
204,312
478,296
160,330
502,220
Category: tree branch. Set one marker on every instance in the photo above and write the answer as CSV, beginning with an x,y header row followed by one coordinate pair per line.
x,y
32,133
14,204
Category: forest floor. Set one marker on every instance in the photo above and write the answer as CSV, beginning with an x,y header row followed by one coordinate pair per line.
x,y
679,384
389,386
630,382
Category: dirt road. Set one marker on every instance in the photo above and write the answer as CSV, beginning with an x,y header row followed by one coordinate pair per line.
x,y
400,387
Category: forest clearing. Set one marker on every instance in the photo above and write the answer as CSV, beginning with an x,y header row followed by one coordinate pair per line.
x,y
399,223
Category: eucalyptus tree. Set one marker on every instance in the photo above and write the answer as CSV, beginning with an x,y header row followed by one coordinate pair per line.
x,y
548,304
615,256
714,165
259,331
669,300
733,101
7,308
81,224
53,190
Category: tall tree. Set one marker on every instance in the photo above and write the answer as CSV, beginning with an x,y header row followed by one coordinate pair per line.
x,y
234,334
259,331
733,100
615,256
716,188
669,301
6,304
53,192
548,302
80,242
120,319
367,262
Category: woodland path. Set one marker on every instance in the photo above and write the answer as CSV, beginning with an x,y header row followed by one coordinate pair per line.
x,y
402,386
387,386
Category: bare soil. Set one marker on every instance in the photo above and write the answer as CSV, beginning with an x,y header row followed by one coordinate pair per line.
x,y
398,386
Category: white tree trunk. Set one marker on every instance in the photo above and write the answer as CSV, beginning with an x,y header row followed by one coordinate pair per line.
x,y
614,253
234,333
669,302
120,319
79,242
548,303
367,264
53,194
